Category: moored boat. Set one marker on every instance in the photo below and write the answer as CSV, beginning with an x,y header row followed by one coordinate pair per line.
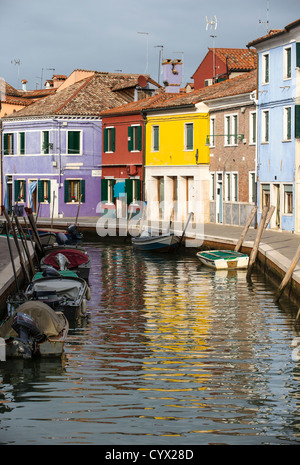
x,y
63,291
73,259
223,259
162,243
34,330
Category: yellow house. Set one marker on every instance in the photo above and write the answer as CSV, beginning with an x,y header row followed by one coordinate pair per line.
x,y
177,159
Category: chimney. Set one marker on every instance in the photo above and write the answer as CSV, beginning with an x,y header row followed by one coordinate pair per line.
x,y
172,75
24,82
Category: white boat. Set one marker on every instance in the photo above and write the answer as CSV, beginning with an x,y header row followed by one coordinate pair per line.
x,y
224,259
163,243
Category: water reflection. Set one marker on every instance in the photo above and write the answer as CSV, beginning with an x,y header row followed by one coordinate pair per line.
x,y
172,353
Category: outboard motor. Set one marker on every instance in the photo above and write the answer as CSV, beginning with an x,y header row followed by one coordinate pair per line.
x,y
62,239
28,332
49,272
62,261
75,235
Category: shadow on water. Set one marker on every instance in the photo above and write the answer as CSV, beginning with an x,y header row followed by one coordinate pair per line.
x,y
171,353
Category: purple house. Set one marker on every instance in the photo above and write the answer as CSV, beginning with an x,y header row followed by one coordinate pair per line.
x,y
51,150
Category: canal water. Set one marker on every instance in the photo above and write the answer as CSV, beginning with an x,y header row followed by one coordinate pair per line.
x,y
171,354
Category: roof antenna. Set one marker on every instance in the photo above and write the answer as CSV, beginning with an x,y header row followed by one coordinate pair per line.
x,y
212,24
266,22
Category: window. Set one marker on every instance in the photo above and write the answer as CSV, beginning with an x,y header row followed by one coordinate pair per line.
x,y
135,138
133,190
155,138
265,68
227,187
109,137
231,129
265,191
74,190
107,190
44,191
20,190
288,198
298,54
287,63
252,187
234,187
45,142
297,121
265,126
8,144
188,136
252,128
74,142
287,123
212,186
212,131
21,143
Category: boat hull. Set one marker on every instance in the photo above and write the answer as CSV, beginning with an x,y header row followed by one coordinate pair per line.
x,y
223,260
52,329
163,243
78,258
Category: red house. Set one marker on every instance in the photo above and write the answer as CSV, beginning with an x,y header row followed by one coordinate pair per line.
x,y
220,64
123,155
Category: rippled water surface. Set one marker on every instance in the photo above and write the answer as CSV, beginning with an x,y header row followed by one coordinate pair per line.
x,y
172,353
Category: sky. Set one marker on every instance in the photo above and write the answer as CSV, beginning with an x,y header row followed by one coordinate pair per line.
x,y
40,38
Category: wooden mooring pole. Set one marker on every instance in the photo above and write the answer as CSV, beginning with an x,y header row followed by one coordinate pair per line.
x,y
288,275
257,241
247,225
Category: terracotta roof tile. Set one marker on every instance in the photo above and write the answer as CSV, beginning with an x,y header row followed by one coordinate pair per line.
x,y
237,59
87,97
241,84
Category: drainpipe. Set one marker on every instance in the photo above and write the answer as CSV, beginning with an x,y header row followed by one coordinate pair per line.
x,y
144,155
1,167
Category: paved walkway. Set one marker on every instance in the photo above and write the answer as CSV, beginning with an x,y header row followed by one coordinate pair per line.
x,y
279,247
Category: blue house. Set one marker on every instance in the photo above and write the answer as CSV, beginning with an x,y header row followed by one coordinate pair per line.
x,y
278,121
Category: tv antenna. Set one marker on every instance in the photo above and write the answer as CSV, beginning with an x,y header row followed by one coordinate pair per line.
x,y
267,21
17,62
211,23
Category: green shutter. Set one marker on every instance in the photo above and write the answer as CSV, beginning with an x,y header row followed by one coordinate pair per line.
x,y
113,139
298,54
82,190
41,193
297,121
104,190
45,145
139,138
67,192
156,138
5,144
49,191
105,140
128,190
189,136
22,143
130,138
17,190
73,142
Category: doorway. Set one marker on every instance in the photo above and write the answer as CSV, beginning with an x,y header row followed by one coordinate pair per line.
x,y
277,206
